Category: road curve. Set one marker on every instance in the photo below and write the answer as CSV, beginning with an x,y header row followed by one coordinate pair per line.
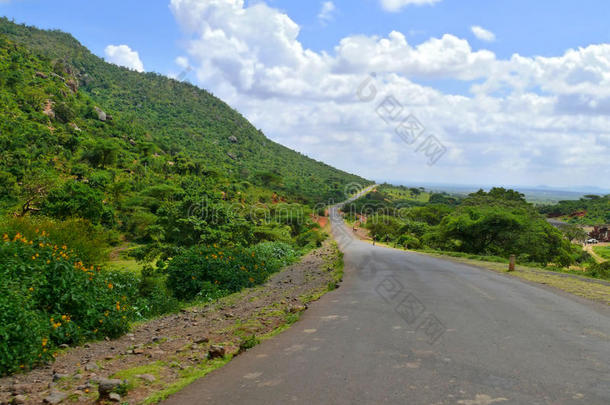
x,y
408,328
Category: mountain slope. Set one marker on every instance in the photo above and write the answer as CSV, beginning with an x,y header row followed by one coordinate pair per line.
x,y
182,121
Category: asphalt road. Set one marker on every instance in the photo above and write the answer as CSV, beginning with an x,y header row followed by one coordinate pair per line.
x,y
405,328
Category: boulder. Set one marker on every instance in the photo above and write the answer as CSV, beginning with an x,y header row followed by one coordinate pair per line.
x,y
233,139
18,399
107,386
216,352
101,115
55,397
147,377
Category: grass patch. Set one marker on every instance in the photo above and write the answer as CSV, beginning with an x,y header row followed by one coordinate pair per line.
x,y
131,374
603,251
188,376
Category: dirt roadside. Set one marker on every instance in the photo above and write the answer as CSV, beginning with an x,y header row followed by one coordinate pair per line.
x,y
162,356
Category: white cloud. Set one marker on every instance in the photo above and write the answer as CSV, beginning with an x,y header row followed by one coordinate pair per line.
x,y
394,6
182,61
483,34
527,119
327,11
123,55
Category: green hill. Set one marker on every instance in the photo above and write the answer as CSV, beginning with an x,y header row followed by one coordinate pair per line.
x,y
133,151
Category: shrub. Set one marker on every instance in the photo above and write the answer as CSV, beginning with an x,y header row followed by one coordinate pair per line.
x,y
59,298
23,332
89,242
600,270
215,271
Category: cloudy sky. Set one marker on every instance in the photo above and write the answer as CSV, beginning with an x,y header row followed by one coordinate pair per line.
x,y
446,91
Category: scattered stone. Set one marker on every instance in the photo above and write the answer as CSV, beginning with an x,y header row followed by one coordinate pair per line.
x,y
86,345
64,346
138,351
147,377
297,308
155,339
59,376
78,376
232,155
114,397
41,75
18,399
17,389
202,340
216,352
108,357
55,397
91,367
229,315
101,115
75,127
233,139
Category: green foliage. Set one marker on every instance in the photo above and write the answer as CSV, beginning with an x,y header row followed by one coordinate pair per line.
x,y
212,271
497,223
88,242
56,299
600,270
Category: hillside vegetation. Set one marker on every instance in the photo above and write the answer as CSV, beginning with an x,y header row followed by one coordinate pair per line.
x,y
98,159
589,210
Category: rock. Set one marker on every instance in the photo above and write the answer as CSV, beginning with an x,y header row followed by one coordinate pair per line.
x,y
55,397
114,397
64,346
138,351
233,139
18,399
91,367
147,377
216,352
297,308
107,386
231,155
77,376
75,127
229,315
48,109
59,376
202,340
41,75
17,389
72,85
101,115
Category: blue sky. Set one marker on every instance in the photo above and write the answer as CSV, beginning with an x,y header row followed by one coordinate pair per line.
x,y
530,28
522,99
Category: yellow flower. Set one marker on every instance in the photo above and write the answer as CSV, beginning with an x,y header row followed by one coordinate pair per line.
x,y
251,279
110,286
44,341
31,289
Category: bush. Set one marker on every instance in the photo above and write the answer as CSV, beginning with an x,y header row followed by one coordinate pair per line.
x,y
53,295
90,243
600,270
211,271
23,333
